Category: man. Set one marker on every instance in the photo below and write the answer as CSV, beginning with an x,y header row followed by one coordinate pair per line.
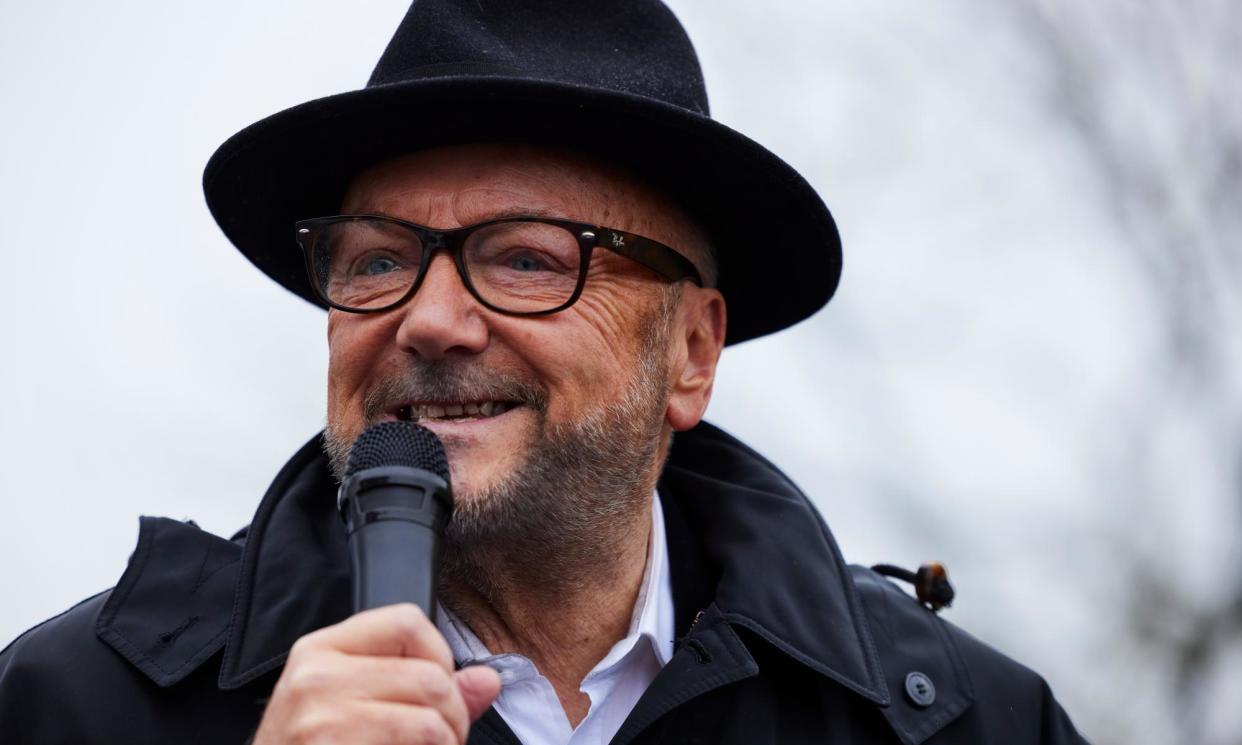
x,y
532,240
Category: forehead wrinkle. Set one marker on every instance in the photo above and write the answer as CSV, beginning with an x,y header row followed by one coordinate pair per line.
x,y
479,203
485,202
551,184
464,207
410,203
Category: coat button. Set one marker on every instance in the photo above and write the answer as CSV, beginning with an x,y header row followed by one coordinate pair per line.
x,y
920,689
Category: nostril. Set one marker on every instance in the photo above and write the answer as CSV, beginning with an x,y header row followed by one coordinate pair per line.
x,y
437,324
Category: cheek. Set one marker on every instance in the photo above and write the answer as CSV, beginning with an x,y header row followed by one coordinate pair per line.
x,y
592,359
353,351
612,316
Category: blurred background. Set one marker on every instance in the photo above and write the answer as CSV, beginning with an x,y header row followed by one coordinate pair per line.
x,y
1031,371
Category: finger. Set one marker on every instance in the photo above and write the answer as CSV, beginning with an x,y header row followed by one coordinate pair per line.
x,y
401,630
404,680
479,686
398,724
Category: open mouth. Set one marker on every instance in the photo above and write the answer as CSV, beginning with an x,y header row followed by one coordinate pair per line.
x,y
452,412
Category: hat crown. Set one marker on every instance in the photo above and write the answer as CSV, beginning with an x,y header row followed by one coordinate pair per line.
x,y
631,46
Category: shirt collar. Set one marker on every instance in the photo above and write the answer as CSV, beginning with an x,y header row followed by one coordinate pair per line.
x,y
655,618
652,620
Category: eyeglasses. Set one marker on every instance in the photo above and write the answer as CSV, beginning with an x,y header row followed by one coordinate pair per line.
x,y
525,266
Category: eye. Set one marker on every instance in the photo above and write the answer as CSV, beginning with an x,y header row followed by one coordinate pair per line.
x,y
526,262
378,265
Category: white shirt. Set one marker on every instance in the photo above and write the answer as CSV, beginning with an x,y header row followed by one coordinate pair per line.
x,y
527,701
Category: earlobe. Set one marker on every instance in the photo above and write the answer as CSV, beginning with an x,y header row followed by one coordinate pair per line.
x,y
699,344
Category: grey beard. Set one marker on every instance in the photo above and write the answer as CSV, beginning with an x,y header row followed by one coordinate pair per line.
x,y
554,524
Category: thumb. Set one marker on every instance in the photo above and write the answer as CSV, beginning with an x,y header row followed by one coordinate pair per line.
x,y
479,686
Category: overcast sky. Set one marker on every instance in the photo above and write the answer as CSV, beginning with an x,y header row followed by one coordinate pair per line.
x,y
948,404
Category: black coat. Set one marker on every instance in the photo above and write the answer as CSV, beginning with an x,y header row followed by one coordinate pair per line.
x,y
780,641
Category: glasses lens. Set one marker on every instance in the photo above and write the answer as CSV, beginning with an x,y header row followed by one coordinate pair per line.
x,y
523,267
365,263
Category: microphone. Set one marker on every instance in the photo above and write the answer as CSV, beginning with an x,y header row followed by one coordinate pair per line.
x,y
395,500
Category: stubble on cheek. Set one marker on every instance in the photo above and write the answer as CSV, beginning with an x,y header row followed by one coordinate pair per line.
x,y
338,438
341,428
354,353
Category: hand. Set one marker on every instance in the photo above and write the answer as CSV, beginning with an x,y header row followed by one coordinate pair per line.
x,y
381,676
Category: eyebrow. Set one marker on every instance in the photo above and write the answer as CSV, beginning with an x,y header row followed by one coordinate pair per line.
x,y
523,212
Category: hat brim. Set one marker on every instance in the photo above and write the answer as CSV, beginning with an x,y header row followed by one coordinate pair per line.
x,y
777,246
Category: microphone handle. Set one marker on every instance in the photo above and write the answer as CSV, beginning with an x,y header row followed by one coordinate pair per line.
x,y
394,561
394,516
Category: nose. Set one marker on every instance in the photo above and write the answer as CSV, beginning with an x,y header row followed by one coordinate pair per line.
x,y
442,319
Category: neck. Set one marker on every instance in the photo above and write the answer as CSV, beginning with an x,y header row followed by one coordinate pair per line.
x,y
564,620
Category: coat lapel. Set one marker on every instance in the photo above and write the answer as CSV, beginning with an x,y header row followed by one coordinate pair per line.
x,y
767,554
169,612
294,571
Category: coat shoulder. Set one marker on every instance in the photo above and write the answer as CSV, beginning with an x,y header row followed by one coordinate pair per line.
x,y
926,658
57,640
138,648
50,673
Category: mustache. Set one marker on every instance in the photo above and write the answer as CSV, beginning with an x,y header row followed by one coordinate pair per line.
x,y
449,380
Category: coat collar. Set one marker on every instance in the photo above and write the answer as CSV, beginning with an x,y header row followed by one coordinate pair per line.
x,y
742,539
739,527
294,570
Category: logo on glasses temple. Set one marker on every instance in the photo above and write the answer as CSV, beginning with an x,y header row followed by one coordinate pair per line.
x,y
617,241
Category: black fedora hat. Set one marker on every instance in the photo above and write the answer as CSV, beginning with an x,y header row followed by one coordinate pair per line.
x,y
618,78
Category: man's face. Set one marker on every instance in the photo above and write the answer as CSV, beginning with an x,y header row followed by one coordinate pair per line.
x,y
537,376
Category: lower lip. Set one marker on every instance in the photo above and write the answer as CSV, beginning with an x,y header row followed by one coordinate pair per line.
x,y
444,427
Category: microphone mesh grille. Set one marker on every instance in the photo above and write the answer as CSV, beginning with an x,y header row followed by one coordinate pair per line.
x,y
398,444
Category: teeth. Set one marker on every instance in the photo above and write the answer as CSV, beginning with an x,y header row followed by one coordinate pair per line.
x,y
418,412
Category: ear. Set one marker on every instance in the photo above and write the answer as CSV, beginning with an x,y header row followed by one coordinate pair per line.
x,y
695,350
